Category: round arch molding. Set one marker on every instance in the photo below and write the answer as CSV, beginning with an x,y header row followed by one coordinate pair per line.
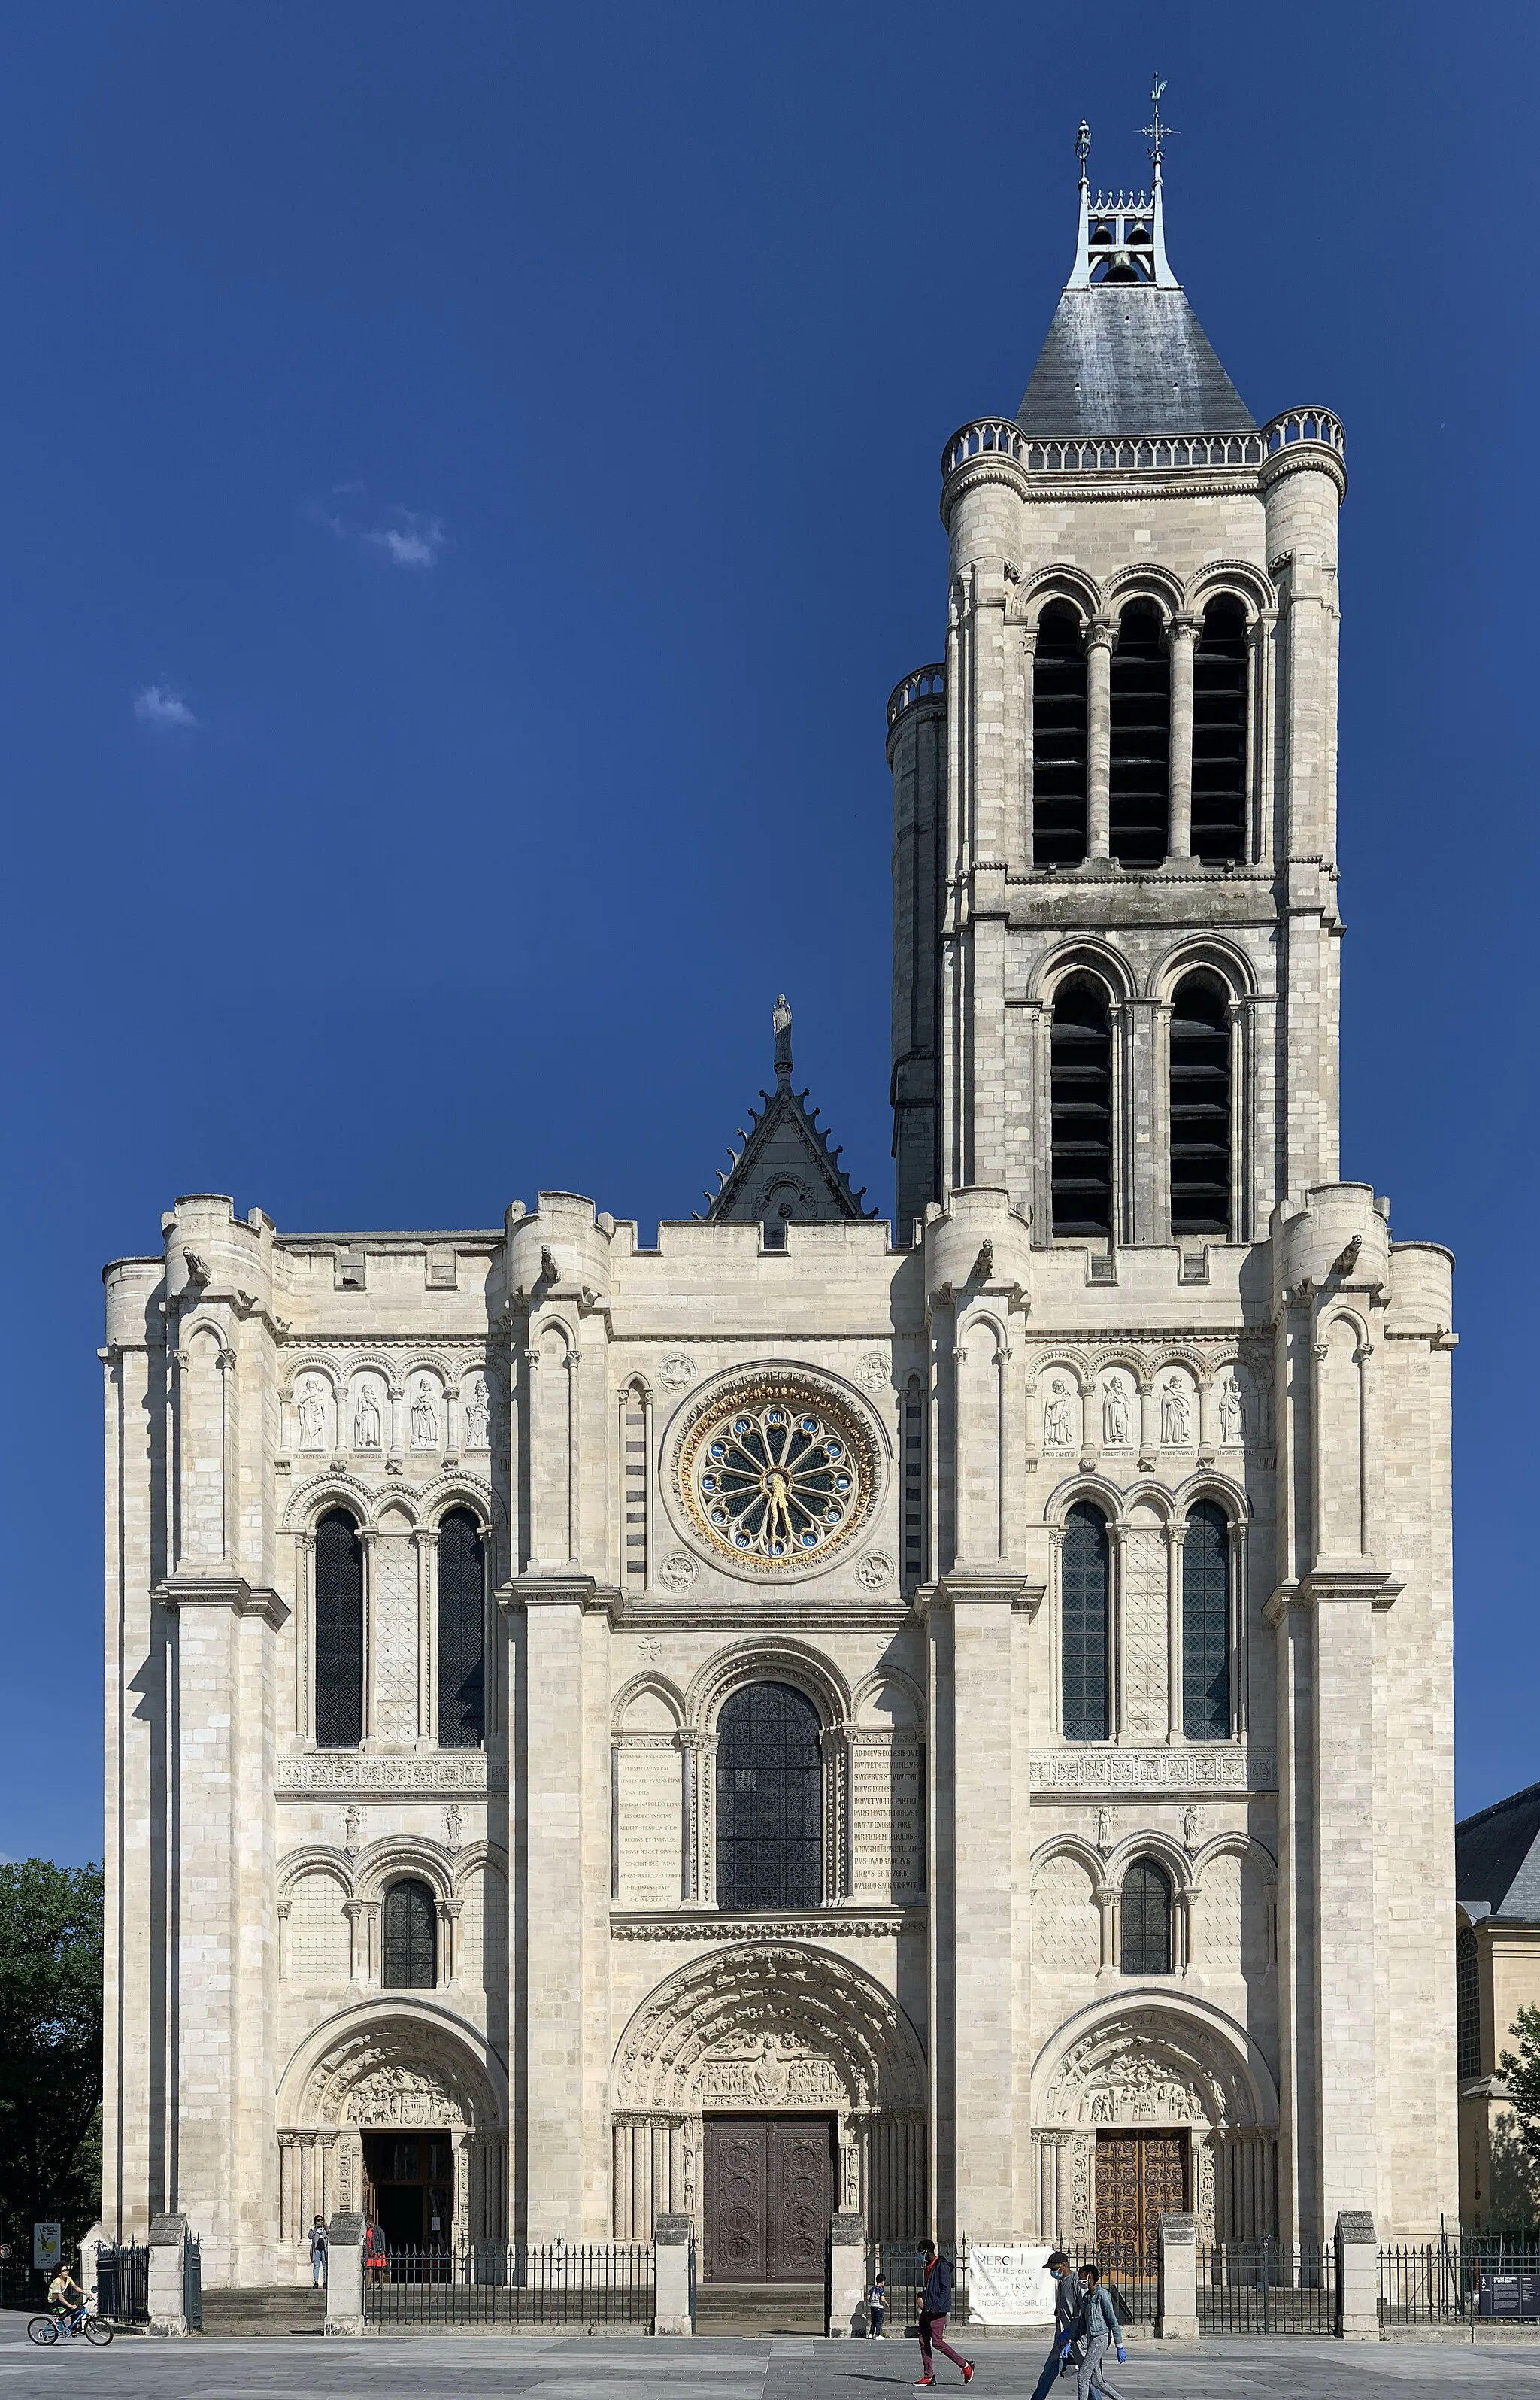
x,y
406,2064
763,2029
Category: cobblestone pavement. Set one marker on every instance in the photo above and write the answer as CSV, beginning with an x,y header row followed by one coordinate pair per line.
x,y
563,2368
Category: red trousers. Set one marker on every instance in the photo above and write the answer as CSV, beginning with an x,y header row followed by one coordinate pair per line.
x,y
930,2330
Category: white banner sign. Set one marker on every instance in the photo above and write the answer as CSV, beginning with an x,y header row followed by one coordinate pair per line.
x,y
48,2246
1010,2286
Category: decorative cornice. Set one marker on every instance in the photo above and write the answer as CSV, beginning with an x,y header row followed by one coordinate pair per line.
x,y
180,1592
1187,1766
678,1925
1328,1582
430,1771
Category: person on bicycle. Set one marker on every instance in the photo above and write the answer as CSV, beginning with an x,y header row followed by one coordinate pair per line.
x,y
60,2286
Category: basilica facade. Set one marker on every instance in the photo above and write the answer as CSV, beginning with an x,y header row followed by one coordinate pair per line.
x,y
947,1718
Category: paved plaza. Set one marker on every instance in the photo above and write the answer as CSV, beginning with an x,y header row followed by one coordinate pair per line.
x,y
575,2368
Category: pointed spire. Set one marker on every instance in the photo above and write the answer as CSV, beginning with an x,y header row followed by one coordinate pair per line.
x,y
787,1168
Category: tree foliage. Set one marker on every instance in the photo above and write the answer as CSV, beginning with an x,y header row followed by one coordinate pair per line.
x,y
1516,2138
51,2046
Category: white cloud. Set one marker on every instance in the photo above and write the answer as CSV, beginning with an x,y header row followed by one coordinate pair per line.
x,y
399,536
160,703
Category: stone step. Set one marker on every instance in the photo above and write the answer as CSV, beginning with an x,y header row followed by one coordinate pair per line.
x,y
281,2309
758,2308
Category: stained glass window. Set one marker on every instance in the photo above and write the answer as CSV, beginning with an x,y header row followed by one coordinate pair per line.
x,y
461,1613
770,1800
1205,1625
411,1936
339,1632
1083,1586
1146,1920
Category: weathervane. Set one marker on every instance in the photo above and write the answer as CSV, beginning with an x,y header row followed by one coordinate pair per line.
x,y
1157,134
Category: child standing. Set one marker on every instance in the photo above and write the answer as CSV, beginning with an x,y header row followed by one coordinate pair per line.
x,y
877,2301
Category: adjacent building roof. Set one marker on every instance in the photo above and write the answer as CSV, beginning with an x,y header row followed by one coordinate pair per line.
x,y
1129,359
785,1172
1497,1859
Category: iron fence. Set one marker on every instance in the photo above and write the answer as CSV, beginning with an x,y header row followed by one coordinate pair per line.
x,y
514,2283
123,2282
1250,2287
192,2284
1461,2277
1129,2271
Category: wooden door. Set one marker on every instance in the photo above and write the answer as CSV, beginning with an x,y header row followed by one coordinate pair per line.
x,y
1138,2177
769,2196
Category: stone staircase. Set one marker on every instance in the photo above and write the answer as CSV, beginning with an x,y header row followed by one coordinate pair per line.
x,y
280,2309
758,2308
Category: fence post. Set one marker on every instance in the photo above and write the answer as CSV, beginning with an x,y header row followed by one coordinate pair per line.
x,y
1177,2320
1357,2277
345,2274
167,2302
847,2274
675,2311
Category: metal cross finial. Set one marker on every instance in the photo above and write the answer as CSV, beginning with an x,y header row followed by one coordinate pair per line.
x,y
1083,146
1157,133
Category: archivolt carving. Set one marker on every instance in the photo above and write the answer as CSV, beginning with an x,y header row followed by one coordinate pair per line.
x,y
1185,2063
394,2063
783,2025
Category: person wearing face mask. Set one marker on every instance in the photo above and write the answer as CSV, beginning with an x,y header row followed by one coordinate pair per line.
x,y
1067,2300
1097,2331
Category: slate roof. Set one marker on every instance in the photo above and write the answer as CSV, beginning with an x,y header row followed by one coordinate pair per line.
x,y
785,1172
1129,359
1497,1859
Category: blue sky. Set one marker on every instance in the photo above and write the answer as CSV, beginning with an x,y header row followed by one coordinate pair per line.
x,y
472,484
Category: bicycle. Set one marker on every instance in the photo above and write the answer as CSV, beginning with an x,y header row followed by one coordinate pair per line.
x,y
45,2331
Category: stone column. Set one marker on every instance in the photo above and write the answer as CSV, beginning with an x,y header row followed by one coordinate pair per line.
x,y
1184,638
847,2274
345,2274
1177,2320
1357,2277
1173,1633
676,2300
1098,762
168,2249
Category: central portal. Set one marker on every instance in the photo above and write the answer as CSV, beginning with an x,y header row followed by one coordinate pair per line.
x,y
769,2196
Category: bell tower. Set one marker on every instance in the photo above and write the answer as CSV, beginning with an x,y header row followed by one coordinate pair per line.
x,y
1115,978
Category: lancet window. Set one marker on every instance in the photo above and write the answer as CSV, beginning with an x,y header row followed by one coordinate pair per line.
x,y
1467,2005
1146,1913
1206,1623
1220,677
462,1611
1200,1108
339,1632
1082,1071
1084,1608
411,1936
1140,763
770,1800
1058,739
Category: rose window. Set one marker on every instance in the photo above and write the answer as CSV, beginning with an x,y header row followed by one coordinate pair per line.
x,y
777,1473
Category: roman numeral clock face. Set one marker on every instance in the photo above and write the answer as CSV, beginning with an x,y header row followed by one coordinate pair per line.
x,y
775,1474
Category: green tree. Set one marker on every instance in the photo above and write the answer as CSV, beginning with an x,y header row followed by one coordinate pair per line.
x,y
1516,2140
50,2047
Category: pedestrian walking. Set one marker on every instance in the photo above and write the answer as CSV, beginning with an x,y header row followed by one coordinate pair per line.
x,y
935,2303
877,2303
1098,2329
1067,2296
317,2252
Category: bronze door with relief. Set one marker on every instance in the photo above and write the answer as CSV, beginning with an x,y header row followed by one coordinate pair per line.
x,y
1139,2177
769,2196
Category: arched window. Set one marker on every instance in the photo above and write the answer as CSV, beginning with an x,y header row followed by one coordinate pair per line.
x,y
339,1632
1140,787
1200,1108
1205,1625
1085,1589
462,1585
1146,1920
1058,739
1220,672
411,1936
1467,2005
770,1800
1082,1071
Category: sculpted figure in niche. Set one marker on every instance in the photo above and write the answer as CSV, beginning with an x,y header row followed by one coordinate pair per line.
x,y
475,1417
1176,1413
1056,1417
312,1416
366,1420
1232,1410
425,1417
1115,1418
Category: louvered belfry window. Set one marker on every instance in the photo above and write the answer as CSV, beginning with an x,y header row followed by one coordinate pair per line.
x,y
1140,791
1146,1920
411,1936
770,1800
339,1632
1205,1625
1221,675
1200,1108
1084,1588
1058,739
462,1583
1081,1059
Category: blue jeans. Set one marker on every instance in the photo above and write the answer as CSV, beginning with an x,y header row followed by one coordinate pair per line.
x,y
1050,2374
